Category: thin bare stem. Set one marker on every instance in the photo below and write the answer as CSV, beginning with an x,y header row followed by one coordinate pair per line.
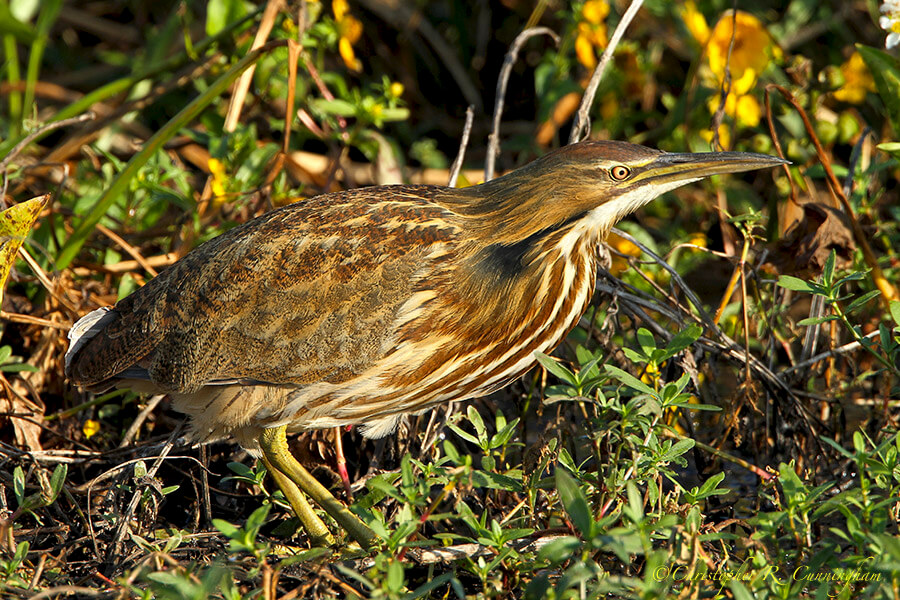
x,y
463,144
581,129
88,116
502,81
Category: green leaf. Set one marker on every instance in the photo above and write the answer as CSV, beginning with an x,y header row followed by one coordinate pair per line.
x,y
895,311
501,438
646,341
554,367
335,106
575,503
19,484
741,592
225,527
892,148
683,339
630,380
816,320
560,549
394,114
258,518
862,300
885,71
798,285
679,448
477,423
463,434
219,13
634,510
828,270
57,480
496,481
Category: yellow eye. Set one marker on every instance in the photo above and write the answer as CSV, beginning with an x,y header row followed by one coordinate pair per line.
x,y
619,172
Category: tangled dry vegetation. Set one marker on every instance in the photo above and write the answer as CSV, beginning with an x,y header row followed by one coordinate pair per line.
x,y
723,421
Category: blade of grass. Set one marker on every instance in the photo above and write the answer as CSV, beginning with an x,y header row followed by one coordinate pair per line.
x,y
13,76
121,181
46,18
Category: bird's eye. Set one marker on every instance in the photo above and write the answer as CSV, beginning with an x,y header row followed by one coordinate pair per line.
x,y
619,172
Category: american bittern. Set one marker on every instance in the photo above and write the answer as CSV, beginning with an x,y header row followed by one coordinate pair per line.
x,y
358,307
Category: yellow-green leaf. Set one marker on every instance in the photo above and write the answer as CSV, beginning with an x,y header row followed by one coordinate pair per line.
x,y
15,223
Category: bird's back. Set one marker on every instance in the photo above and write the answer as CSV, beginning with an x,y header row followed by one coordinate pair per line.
x,y
302,294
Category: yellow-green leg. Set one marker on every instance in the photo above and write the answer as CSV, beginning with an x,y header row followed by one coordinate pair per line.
x,y
315,528
274,446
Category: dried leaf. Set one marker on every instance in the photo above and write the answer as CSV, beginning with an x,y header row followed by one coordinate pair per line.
x,y
814,233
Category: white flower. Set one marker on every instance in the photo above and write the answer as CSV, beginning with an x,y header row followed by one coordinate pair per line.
x,y
890,22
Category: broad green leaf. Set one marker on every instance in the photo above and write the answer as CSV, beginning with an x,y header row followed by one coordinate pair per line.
x,y
630,380
646,341
575,503
554,367
895,311
683,339
225,527
219,13
560,549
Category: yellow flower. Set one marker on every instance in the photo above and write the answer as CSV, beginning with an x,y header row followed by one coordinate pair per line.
x,y
699,240
621,246
744,109
90,428
349,30
724,136
651,375
857,80
753,47
591,31
396,89
217,170
695,22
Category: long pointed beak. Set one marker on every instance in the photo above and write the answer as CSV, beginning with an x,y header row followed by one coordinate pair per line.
x,y
688,166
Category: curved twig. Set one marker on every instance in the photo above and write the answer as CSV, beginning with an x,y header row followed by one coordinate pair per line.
x,y
88,116
581,129
508,61
463,143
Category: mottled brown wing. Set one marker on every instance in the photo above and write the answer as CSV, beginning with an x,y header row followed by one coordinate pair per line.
x,y
305,293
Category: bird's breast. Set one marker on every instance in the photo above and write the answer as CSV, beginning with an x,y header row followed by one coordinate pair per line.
x,y
453,346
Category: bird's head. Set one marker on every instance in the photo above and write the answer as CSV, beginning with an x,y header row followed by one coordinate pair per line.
x,y
601,181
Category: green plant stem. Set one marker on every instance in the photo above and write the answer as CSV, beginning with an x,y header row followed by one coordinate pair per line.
x,y
860,339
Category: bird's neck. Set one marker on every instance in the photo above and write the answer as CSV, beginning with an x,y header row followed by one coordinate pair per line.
x,y
545,278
